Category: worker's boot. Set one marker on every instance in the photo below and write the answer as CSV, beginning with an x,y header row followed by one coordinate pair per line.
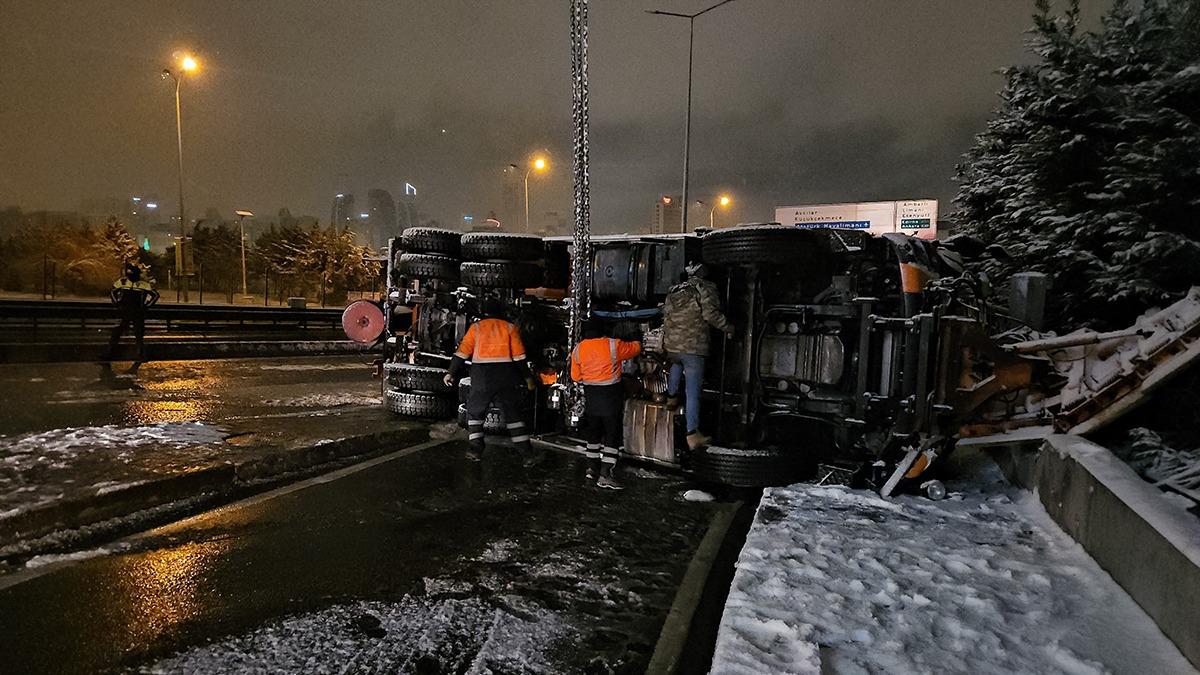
x,y
593,462
532,456
475,450
475,440
696,440
607,480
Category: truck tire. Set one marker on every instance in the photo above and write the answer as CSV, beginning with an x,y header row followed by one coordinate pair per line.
x,y
493,423
483,246
409,377
431,240
411,404
748,468
500,274
426,266
747,245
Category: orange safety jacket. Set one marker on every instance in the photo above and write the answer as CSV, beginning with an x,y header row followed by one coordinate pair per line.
x,y
597,361
491,341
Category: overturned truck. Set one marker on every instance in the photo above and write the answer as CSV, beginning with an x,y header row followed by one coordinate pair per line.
x,y
869,356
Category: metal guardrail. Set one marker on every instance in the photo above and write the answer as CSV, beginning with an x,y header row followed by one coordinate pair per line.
x,y
67,313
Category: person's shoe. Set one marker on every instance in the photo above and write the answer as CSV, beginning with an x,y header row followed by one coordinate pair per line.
x,y
474,454
593,469
697,440
537,456
607,480
608,483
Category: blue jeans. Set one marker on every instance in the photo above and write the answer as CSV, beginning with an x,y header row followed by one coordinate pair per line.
x,y
690,367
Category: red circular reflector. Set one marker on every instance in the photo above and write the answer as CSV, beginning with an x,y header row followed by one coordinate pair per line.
x,y
363,321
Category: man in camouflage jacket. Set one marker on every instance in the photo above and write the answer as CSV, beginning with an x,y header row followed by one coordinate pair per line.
x,y
690,309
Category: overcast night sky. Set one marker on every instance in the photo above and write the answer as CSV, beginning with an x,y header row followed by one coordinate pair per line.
x,y
796,101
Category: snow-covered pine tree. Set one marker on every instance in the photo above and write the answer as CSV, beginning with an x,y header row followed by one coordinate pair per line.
x,y
116,247
1090,168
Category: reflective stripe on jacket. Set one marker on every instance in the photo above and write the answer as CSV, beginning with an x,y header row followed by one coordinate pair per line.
x,y
598,360
491,341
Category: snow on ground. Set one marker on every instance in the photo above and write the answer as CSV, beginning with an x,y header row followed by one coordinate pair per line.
x,y
416,634
52,558
316,366
840,580
55,444
41,467
324,401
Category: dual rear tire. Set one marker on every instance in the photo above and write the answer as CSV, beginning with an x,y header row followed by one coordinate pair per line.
x,y
417,391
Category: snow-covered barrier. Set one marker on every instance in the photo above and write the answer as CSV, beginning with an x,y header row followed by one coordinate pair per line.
x,y
1150,547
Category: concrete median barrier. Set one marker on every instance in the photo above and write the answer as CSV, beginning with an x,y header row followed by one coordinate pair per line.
x,y
1149,546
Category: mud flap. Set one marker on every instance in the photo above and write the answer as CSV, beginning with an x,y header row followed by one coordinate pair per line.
x,y
914,463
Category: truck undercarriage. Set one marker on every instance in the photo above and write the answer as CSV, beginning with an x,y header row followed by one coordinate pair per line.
x,y
867,355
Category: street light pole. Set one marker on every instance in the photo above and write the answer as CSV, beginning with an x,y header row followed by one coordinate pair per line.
x,y
537,164
687,126
179,141
187,64
242,229
527,198
687,120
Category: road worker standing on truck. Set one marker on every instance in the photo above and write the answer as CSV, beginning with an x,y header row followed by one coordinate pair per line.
x,y
690,308
596,364
499,375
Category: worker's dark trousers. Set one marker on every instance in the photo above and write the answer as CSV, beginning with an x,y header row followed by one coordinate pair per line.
x,y
139,331
604,421
491,386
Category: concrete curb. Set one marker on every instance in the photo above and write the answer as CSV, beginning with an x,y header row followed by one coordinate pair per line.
x,y
222,482
175,350
1148,546
77,512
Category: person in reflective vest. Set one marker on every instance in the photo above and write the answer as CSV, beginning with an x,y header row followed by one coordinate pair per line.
x,y
132,296
596,364
499,375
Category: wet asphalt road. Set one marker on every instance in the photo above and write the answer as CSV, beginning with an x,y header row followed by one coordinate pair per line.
x,y
488,550
39,397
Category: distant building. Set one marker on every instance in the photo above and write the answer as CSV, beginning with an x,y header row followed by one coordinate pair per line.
x,y
343,214
381,219
668,214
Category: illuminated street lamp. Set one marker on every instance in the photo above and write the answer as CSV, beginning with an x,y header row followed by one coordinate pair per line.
x,y
723,201
187,64
687,123
538,164
242,216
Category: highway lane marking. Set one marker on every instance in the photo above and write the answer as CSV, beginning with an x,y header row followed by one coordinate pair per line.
x,y
125,544
673,637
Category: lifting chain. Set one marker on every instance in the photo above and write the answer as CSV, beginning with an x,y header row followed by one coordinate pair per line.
x,y
581,255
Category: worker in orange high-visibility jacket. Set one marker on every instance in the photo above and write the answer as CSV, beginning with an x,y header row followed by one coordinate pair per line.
x,y
596,364
499,376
